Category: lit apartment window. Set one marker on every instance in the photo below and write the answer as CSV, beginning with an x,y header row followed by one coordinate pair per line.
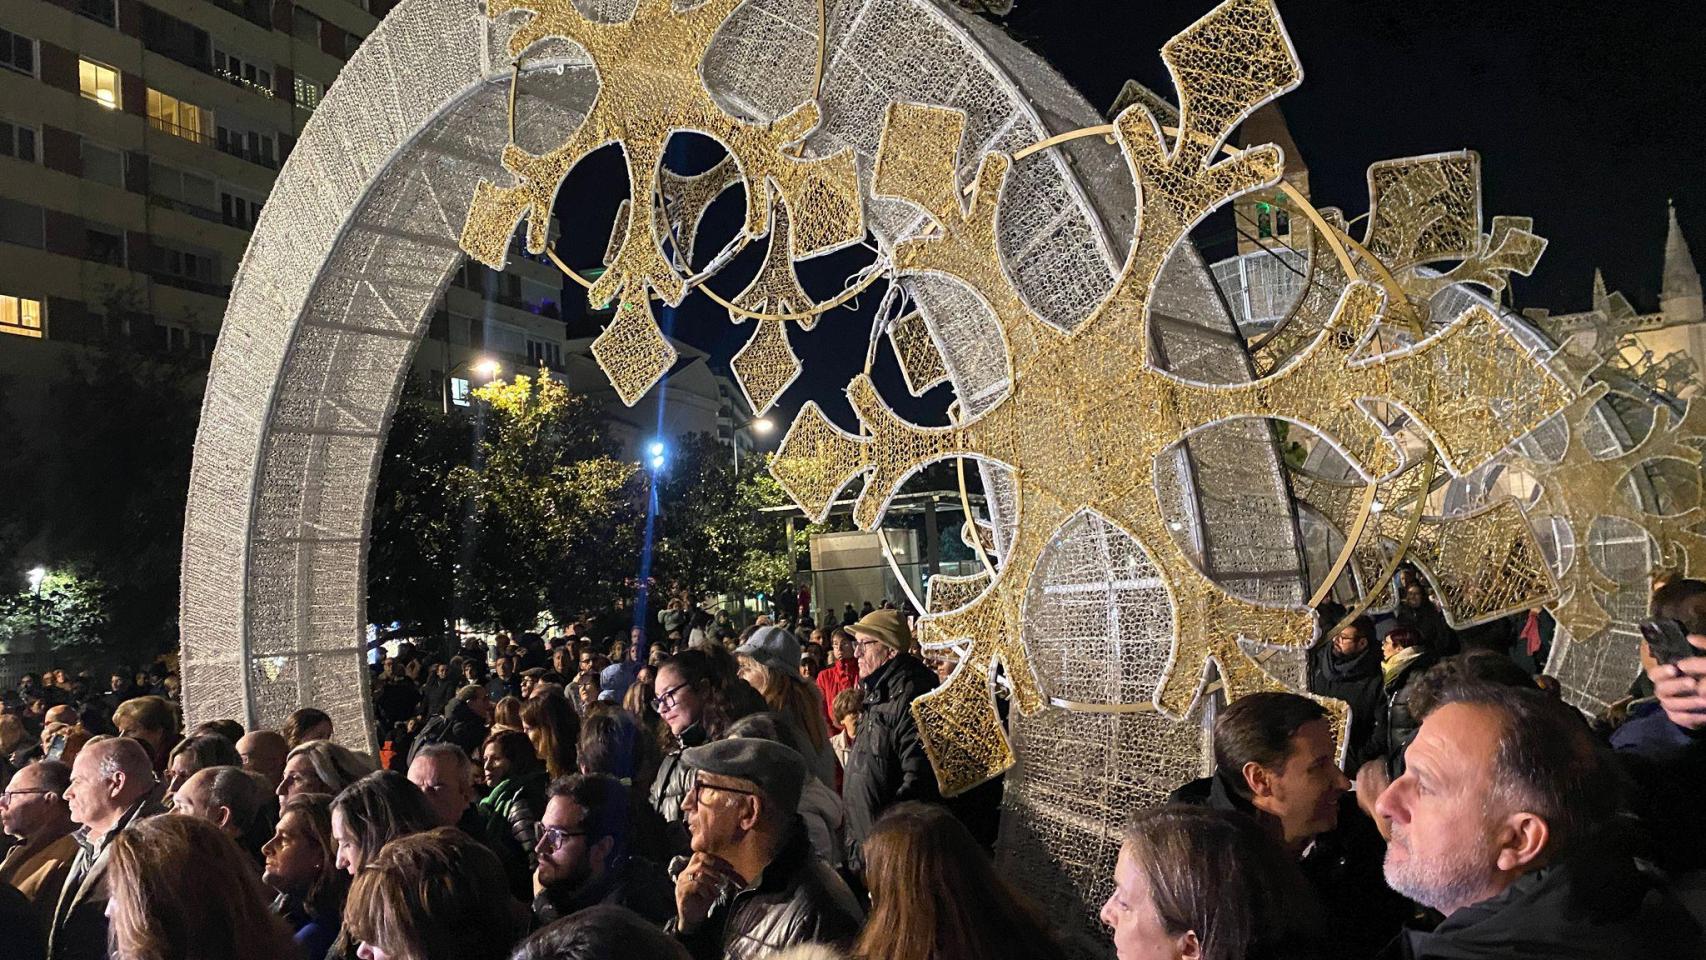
x,y
308,93
17,52
98,83
20,315
177,117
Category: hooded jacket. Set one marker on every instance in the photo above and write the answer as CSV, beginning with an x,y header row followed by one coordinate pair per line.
x,y
887,763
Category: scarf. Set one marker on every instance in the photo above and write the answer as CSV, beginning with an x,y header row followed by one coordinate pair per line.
x,y
1390,670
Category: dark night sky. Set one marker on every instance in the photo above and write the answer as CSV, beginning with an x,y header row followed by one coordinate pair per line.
x,y
1588,116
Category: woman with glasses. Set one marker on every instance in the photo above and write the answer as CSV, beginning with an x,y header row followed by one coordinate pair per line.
x,y
699,696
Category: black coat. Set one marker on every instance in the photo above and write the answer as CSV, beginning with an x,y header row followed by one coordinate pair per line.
x,y
1590,907
887,764
1356,681
632,882
1345,868
797,899
1396,724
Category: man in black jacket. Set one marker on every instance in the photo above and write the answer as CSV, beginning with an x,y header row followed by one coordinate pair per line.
x,y
1504,821
584,856
887,763
753,885
1276,762
1347,667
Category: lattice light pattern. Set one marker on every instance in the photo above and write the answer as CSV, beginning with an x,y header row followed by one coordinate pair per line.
x,y
1087,417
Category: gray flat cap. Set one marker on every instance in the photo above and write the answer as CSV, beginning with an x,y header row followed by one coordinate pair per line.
x,y
777,770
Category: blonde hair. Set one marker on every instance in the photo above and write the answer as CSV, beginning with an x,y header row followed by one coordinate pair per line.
x,y
793,697
162,869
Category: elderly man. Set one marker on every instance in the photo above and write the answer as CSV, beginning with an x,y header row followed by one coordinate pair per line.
x,y
445,776
889,765
34,810
111,787
584,857
753,885
1502,822
263,753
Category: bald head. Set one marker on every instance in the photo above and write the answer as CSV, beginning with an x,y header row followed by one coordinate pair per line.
x,y
109,776
263,752
63,713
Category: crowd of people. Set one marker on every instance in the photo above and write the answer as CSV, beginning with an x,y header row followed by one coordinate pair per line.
x,y
687,790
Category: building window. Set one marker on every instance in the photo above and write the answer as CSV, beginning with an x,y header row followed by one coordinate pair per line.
x,y
22,223
459,391
102,165
98,83
100,11
17,52
305,26
18,142
308,93
237,210
251,145
177,117
103,245
243,71
20,315
544,353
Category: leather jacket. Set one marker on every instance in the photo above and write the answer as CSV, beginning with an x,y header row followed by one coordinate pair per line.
x,y
797,899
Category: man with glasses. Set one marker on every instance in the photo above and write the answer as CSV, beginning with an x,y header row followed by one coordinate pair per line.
x,y
584,857
112,786
34,810
887,764
753,885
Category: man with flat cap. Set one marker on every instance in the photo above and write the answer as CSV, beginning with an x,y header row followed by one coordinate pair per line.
x,y
887,763
753,886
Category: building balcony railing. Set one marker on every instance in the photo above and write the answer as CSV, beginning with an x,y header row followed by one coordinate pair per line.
x,y
212,216
242,152
191,134
248,85
190,284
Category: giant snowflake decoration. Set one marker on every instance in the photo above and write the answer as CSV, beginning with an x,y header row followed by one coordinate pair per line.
x,y
649,88
1086,414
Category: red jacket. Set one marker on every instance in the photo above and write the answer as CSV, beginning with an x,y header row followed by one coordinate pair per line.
x,y
839,676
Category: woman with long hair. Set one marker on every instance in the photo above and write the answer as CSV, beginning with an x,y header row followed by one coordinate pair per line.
x,y
438,895
554,728
305,726
372,812
935,895
769,661
700,694
197,752
162,872
1204,883
321,766
302,866
506,714
637,701
517,782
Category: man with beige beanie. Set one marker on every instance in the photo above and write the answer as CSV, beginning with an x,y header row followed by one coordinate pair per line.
x,y
887,764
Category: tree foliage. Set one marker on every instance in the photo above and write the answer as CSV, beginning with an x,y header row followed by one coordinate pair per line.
x,y
714,534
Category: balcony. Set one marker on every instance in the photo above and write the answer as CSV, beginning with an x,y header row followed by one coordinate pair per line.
x,y
191,134
243,152
190,284
238,81
203,213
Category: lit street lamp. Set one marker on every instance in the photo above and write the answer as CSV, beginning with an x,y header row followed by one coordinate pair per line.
x,y
37,575
484,367
657,455
760,426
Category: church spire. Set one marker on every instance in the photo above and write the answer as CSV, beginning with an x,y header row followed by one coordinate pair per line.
x,y
1680,297
1600,301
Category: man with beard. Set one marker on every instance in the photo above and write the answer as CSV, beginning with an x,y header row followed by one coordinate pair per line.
x,y
1347,667
1505,821
1276,761
583,854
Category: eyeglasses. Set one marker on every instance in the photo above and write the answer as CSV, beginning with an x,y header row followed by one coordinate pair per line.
x,y
694,788
666,700
861,644
6,797
550,838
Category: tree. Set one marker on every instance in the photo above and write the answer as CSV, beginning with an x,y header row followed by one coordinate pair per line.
x,y
714,535
68,615
553,517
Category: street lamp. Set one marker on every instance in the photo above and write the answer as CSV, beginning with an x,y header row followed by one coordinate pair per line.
x,y
657,455
760,426
37,575
485,367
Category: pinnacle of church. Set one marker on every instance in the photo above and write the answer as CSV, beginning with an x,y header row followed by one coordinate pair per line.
x,y
1680,296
